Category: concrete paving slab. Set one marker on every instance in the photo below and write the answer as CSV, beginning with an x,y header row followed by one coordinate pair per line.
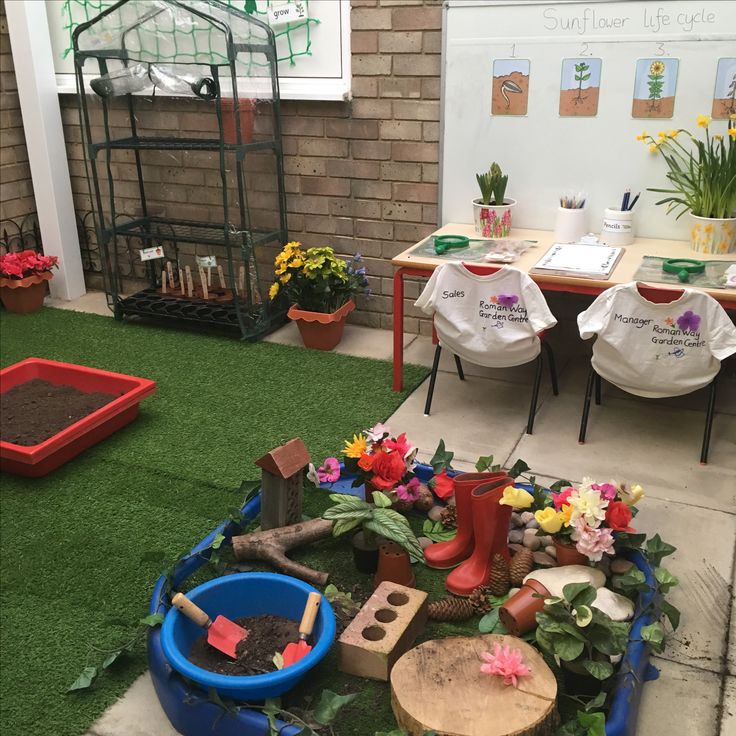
x,y
705,541
137,713
641,442
728,714
93,302
731,654
682,702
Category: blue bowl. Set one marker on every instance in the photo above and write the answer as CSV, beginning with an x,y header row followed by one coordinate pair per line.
x,y
247,594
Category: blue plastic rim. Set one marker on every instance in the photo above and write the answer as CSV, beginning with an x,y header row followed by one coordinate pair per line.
x,y
247,594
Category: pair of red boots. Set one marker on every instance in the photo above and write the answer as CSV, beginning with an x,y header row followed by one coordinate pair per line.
x,y
482,532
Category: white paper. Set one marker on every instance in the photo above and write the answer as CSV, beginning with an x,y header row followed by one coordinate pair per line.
x,y
278,15
150,254
583,259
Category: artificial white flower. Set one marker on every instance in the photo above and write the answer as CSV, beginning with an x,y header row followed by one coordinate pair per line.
x,y
587,504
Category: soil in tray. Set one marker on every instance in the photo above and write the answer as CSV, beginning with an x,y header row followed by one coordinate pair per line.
x,y
36,410
268,635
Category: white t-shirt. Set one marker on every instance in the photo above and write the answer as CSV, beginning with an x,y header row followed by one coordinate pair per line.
x,y
657,350
489,320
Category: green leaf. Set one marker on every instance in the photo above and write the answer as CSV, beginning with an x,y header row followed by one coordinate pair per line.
x,y
672,613
567,648
152,620
441,459
217,541
596,703
381,500
586,77
633,581
594,722
329,706
583,615
112,657
348,499
340,526
599,670
518,468
579,594
489,622
249,489
665,579
557,486
343,511
485,463
85,679
657,549
628,540
654,634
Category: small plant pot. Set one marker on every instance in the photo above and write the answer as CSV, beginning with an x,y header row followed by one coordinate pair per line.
x,y
24,296
365,554
567,554
394,566
493,220
713,235
246,112
319,330
519,613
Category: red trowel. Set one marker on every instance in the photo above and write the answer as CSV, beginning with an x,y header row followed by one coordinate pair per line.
x,y
297,650
222,633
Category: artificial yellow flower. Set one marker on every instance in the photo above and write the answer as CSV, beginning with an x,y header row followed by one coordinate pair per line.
x,y
661,135
703,121
657,68
518,498
549,520
732,132
565,514
285,278
717,137
673,133
643,135
732,116
297,263
653,147
273,290
357,447
636,493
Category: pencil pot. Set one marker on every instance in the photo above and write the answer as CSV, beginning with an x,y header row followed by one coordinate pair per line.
x,y
570,225
618,227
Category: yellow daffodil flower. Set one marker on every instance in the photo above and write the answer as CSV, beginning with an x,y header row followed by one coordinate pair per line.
x,y
703,121
653,147
661,135
633,495
673,133
549,520
643,136
357,447
717,137
274,290
732,132
517,498
565,514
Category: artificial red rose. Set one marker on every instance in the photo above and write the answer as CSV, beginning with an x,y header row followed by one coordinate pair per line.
x,y
400,445
388,469
365,462
443,486
618,516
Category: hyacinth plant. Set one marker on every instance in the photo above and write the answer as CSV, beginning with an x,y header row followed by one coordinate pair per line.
x,y
702,172
25,263
492,185
317,280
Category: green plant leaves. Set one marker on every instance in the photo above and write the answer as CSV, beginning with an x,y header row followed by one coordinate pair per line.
x,y
437,532
600,670
579,594
152,620
85,679
485,464
630,582
665,579
583,615
490,623
657,549
654,634
381,500
518,468
340,526
329,706
672,613
442,458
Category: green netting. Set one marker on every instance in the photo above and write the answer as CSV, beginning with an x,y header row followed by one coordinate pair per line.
x,y
292,41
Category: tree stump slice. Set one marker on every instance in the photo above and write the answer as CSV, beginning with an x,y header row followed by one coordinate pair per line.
x,y
438,686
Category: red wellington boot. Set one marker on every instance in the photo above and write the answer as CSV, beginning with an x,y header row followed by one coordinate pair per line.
x,y
491,529
444,555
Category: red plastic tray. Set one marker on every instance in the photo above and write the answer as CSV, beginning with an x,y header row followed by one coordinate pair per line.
x,y
41,459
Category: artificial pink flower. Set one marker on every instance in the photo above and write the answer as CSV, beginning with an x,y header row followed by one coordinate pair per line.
x,y
410,491
607,490
329,471
560,499
376,433
400,444
505,662
593,543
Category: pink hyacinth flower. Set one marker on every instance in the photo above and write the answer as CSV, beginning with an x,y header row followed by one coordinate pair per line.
x,y
607,490
409,491
505,662
329,471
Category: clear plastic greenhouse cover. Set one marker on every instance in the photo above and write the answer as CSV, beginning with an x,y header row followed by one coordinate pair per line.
x,y
175,45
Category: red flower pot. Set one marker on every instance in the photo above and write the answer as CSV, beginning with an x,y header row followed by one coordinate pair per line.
x,y
24,296
321,331
246,111
394,565
519,613
567,554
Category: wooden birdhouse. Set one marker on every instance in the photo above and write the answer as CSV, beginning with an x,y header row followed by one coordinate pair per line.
x,y
282,484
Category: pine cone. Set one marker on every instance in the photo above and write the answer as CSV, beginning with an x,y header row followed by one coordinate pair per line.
x,y
499,582
451,609
479,600
522,563
448,517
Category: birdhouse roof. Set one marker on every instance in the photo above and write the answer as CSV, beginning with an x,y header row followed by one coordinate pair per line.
x,y
286,460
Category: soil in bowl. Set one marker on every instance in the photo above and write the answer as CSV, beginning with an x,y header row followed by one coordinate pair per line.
x,y
36,410
268,635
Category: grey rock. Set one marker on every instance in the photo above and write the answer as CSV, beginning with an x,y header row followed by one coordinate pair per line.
x,y
424,542
526,517
531,540
515,547
551,551
532,524
546,541
434,513
516,521
516,536
620,566
544,560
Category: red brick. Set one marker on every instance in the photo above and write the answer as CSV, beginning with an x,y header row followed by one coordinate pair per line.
x,y
400,130
430,173
416,19
426,193
370,19
380,150
391,42
324,109
406,151
367,129
308,205
329,186
304,165
411,233
417,65
364,42
430,214
374,229
368,189
371,65
432,43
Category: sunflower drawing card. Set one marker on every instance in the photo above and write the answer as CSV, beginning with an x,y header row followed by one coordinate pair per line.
x,y
654,88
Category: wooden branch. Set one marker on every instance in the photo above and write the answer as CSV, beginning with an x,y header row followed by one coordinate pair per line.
x,y
272,546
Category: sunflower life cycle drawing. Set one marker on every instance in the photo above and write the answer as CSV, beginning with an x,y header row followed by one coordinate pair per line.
x,y
724,96
580,87
510,90
654,88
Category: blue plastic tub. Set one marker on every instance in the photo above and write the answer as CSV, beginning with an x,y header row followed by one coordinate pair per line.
x,y
247,594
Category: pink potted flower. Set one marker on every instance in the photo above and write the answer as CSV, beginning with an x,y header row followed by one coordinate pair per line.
x,y
23,277
492,210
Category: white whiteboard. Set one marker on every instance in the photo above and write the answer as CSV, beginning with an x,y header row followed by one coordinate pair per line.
x,y
543,153
323,75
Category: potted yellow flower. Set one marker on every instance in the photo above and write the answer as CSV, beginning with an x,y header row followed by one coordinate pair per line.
x,y
703,182
320,287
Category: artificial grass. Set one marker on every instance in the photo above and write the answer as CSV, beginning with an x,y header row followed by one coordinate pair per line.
x,y
78,562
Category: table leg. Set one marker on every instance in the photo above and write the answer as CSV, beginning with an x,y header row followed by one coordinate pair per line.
x,y
399,329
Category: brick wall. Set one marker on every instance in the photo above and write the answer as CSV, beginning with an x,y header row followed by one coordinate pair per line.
x,y
16,188
360,175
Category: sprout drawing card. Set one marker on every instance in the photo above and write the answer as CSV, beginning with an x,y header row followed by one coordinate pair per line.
x,y
510,93
724,96
580,86
654,88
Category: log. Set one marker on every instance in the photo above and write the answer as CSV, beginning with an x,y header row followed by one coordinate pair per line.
x,y
438,686
273,544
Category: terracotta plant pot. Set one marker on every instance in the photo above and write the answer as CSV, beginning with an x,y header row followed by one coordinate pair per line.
x,y
568,555
24,296
246,109
394,566
519,613
321,331
365,554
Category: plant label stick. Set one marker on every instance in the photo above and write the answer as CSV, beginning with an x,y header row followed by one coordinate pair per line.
x,y
181,281
163,281
190,283
209,276
204,279
221,274
241,279
170,271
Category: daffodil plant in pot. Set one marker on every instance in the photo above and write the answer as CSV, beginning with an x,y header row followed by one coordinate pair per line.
x,y
320,288
492,210
703,178
23,278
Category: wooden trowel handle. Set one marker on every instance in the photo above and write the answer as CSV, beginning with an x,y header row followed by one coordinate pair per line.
x,y
191,611
310,614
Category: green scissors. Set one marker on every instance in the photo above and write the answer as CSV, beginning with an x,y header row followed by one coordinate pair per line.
x,y
683,268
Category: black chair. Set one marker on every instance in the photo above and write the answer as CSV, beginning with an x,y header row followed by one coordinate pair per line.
x,y
535,390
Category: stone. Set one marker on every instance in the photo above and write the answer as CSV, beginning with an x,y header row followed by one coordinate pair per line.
x,y
516,521
513,592
546,541
434,513
617,606
556,578
514,548
605,565
620,566
531,540
551,551
424,542
532,524
526,517
544,560
516,536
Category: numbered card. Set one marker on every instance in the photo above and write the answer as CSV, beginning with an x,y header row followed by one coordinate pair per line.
x,y
510,92
150,254
207,261
279,15
580,87
724,98
654,88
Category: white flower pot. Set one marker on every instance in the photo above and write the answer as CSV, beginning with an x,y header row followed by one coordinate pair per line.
x,y
713,235
493,220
